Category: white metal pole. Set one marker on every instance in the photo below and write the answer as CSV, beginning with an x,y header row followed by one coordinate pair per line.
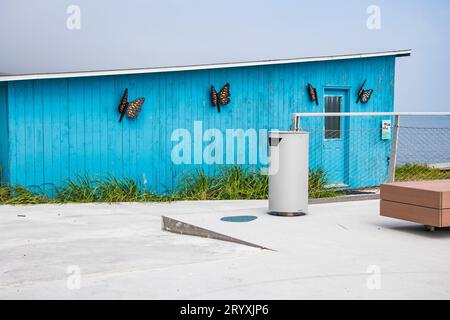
x,y
295,123
393,155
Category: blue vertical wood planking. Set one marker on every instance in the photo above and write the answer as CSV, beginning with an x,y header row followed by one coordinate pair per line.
x,y
4,134
55,129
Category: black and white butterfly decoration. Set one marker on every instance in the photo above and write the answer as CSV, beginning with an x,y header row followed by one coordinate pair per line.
x,y
312,94
364,95
131,109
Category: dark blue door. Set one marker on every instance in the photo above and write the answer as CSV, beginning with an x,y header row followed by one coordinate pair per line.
x,y
335,138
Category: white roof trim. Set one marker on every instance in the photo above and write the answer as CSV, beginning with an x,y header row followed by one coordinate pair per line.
x,y
398,53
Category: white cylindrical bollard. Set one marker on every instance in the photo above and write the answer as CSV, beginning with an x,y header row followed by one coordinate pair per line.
x,y
288,173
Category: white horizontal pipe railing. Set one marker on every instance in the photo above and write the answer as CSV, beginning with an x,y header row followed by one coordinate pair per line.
x,y
369,114
296,116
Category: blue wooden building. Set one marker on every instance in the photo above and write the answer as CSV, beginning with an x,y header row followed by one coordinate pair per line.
x,y
57,126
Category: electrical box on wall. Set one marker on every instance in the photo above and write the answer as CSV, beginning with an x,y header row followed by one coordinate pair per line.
x,y
386,130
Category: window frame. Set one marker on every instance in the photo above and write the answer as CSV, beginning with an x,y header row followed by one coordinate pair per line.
x,y
340,118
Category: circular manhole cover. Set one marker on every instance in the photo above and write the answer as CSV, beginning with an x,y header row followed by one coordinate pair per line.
x,y
239,219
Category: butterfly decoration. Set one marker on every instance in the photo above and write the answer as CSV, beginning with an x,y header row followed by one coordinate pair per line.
x,y
221,98
364,95
132,108
312,94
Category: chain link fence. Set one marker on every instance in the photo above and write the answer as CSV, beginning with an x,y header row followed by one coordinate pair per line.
x,y
423,151
358,152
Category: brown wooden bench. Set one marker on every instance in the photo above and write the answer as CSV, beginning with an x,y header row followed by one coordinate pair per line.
x,y
424,202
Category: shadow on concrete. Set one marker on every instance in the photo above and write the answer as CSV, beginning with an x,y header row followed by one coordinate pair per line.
x,y
420,230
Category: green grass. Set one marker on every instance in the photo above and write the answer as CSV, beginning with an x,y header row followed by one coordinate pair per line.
x,y
235,183
317,185
21,195
418,172
231,183
109,189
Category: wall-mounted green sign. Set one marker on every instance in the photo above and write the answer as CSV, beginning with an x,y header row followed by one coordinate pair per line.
x,y
386,130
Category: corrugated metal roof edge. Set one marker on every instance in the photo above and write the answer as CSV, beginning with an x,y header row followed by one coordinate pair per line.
x,y
36,76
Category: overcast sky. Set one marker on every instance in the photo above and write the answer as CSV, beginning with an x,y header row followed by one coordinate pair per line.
x,y
135,33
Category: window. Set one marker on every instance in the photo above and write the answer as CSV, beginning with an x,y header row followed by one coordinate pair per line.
x,y
333,124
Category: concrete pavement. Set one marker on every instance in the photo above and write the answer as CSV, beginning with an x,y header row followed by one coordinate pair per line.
x,y
101,251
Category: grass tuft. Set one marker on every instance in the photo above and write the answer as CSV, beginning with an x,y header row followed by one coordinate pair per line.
x,y
318,185
237,183
114,190
21,195
82,189
419,172
110,189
